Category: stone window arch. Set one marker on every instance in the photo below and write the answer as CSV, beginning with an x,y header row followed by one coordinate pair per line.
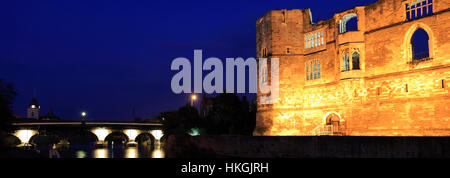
x,y
348,23
425,52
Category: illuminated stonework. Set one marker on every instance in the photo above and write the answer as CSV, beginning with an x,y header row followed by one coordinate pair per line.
x,y
371,82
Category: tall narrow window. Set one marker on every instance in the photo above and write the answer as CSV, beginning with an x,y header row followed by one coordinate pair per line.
x,y
307,70
355,60
263,75
345,62
313,70
419,44
318,69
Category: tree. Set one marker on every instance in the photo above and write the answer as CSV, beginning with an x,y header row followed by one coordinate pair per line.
x,y
7,95
230,116
180,122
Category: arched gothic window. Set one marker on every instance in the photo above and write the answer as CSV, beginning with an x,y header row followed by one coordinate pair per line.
x,y
419,44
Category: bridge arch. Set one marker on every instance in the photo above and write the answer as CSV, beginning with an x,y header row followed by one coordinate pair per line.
x,y
82,136
117,137
24,135
132,134
145,137
11,140
44,139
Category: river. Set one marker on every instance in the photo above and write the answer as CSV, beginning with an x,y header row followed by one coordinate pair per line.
x,y
92,151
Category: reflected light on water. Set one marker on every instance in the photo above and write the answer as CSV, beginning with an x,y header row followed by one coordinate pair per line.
x,y
80,154
157,153
101,153
131,152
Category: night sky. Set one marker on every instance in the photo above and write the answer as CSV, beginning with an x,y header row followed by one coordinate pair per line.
x,y
106,57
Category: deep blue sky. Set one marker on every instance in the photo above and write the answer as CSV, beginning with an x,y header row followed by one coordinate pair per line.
x,y
106,57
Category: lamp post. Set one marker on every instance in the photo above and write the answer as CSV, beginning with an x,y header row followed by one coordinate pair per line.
x,y
83,117
193,98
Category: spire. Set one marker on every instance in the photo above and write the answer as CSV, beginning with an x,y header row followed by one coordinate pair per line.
x,y
50,116
34,102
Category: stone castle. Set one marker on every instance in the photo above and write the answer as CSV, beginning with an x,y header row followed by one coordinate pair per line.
x,y
376,70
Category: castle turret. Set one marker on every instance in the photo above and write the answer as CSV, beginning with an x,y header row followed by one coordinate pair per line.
x,y
33,110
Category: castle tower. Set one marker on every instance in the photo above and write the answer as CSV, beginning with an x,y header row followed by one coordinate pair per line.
x,y
375,70
33,110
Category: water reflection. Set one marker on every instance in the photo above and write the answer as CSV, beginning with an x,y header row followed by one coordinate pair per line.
x,y
131,152
107,151
158,153
101,153
80,154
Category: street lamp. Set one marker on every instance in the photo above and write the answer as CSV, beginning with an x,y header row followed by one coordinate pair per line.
x,y
83,116
193,98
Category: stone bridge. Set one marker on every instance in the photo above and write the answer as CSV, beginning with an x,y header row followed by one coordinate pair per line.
x,y
99,132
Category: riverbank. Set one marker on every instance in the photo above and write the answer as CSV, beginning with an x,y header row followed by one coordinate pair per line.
x,y
306,147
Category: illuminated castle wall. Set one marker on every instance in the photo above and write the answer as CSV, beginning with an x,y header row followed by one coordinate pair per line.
x,y
334,81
